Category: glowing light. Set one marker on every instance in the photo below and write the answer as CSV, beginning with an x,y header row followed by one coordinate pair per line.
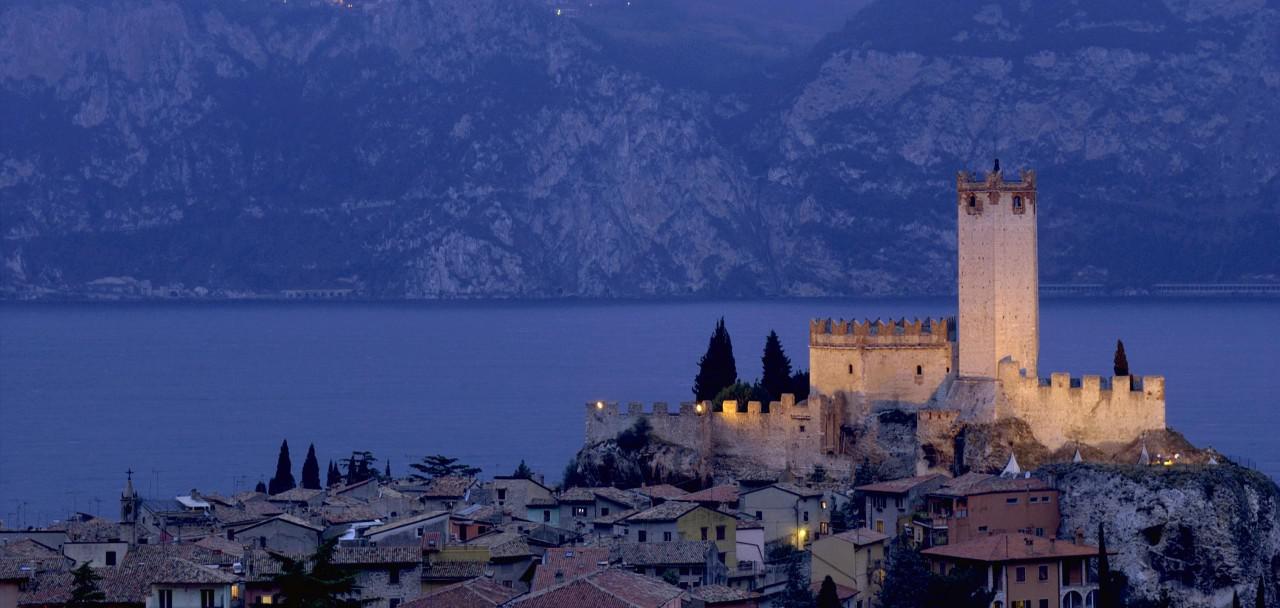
x,y
599,405
698,408
559,12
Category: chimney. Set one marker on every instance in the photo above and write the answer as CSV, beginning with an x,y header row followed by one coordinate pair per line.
x,y
1079,536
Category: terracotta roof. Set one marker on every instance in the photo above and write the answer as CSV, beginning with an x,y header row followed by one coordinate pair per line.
x,y
473,593
235,515
972,484
483,513
722,494
899,486
542,501
177,571
262,509
284,517
1011,547
28,549
717,594
220,544
296,495
405,521
346,515
655,554
570,563
577,495
664,491
623,497
861,536
502,544
334,491
407,554
614,517
667,511
790,488
606,589
13,570
453,570
94,530
249,496
448,487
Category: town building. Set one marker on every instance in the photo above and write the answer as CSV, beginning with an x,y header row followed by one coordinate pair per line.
x,y
1024,571
890,505
789,512
691,563
854,559
976,505
674,521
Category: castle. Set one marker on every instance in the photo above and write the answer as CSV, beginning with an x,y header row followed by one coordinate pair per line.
x,y
932,377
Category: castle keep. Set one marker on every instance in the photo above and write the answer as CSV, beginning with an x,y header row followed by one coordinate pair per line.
x,y
939,374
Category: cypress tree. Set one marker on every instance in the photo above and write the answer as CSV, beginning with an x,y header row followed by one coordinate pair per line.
x,y
1261,601
84,588
334,476
523,471
827,595
261,488
1107,596
775,377
1121,361
283,479
1235,598
716,369
311,470
387,474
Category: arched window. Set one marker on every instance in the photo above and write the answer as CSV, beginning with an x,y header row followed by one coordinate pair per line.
x,y
1072,599
850,369
1017,202
919,370
973,201
1091,600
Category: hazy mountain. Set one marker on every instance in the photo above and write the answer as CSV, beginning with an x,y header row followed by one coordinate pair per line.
x,y
491,148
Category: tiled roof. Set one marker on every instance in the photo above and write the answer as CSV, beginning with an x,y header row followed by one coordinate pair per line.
x,y
222,545
261,509
343,501
482,513
334,491
727,493
284,517
664,491
346,515
502,544
577,495
789,488
94,530
163,505
177,571
453,570
13,569
1011,547
377,555
667,511
474,593
715,594
569,563
233,515
28,549
405,521
614,518
656,554
899,486
296,495
624,497
543,501
606,589
448,487
971,484
861,536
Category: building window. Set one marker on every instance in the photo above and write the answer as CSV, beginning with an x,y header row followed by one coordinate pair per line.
x,y
642,536
579,511
206,598
806,516
1044,573
604,511
919,370
823,527
982,528
1020,574
546,516
1040,532
705,531
262,542
1011,501
111,558
759,515
720,556
973,201
418,531
802,428
666,537
394,602
502,494
393,576
1044,603
823,504
720,532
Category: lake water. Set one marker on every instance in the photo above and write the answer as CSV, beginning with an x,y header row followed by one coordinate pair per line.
x,y
200,395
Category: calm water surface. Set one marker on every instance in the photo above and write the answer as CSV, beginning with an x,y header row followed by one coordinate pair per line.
x,y
199,396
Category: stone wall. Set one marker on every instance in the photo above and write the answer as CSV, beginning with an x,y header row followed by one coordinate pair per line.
x,y
898,361
1091,410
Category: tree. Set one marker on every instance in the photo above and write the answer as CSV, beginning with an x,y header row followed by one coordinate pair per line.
x,y
796,594
800,385
523,471
818,475
742,393
1235,598
962,587
261,488
827,595
1261,600
670,576
717,368
283,479
905,579
360,466
311,470
1108,594
637,437
316,582
1121,361
440,465
387,473
775,377
84,588
334,476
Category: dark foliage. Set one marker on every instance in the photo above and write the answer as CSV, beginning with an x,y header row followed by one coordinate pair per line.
x,y
84,588
775,376
796,594
283,479
522,471
261,488
717,368
741,392
311,470
905,577
1121,366
316,582
800,385
637,437
440,465
360,466
827,595
334,476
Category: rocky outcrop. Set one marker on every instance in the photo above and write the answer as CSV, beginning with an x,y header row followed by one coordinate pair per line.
x,y
1193,533
485,148
608,464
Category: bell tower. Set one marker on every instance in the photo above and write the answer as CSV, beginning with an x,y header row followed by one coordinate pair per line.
x,y
128,501
999,284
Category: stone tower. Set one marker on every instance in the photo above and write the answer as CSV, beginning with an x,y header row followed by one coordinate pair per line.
x,y
129,501
999,274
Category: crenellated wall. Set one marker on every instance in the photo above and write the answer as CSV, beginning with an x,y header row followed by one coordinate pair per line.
x,y
1092,409
899,361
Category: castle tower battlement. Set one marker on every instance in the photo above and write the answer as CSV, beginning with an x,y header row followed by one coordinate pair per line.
x,y
998,272
839,333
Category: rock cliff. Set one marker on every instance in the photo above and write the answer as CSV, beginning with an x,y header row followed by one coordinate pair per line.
x,y
1194,532
467,148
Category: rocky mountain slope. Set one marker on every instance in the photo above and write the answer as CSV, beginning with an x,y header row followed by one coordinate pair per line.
x,y
490,148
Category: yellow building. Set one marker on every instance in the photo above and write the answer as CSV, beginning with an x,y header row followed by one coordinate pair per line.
x,y
676,520
854,559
